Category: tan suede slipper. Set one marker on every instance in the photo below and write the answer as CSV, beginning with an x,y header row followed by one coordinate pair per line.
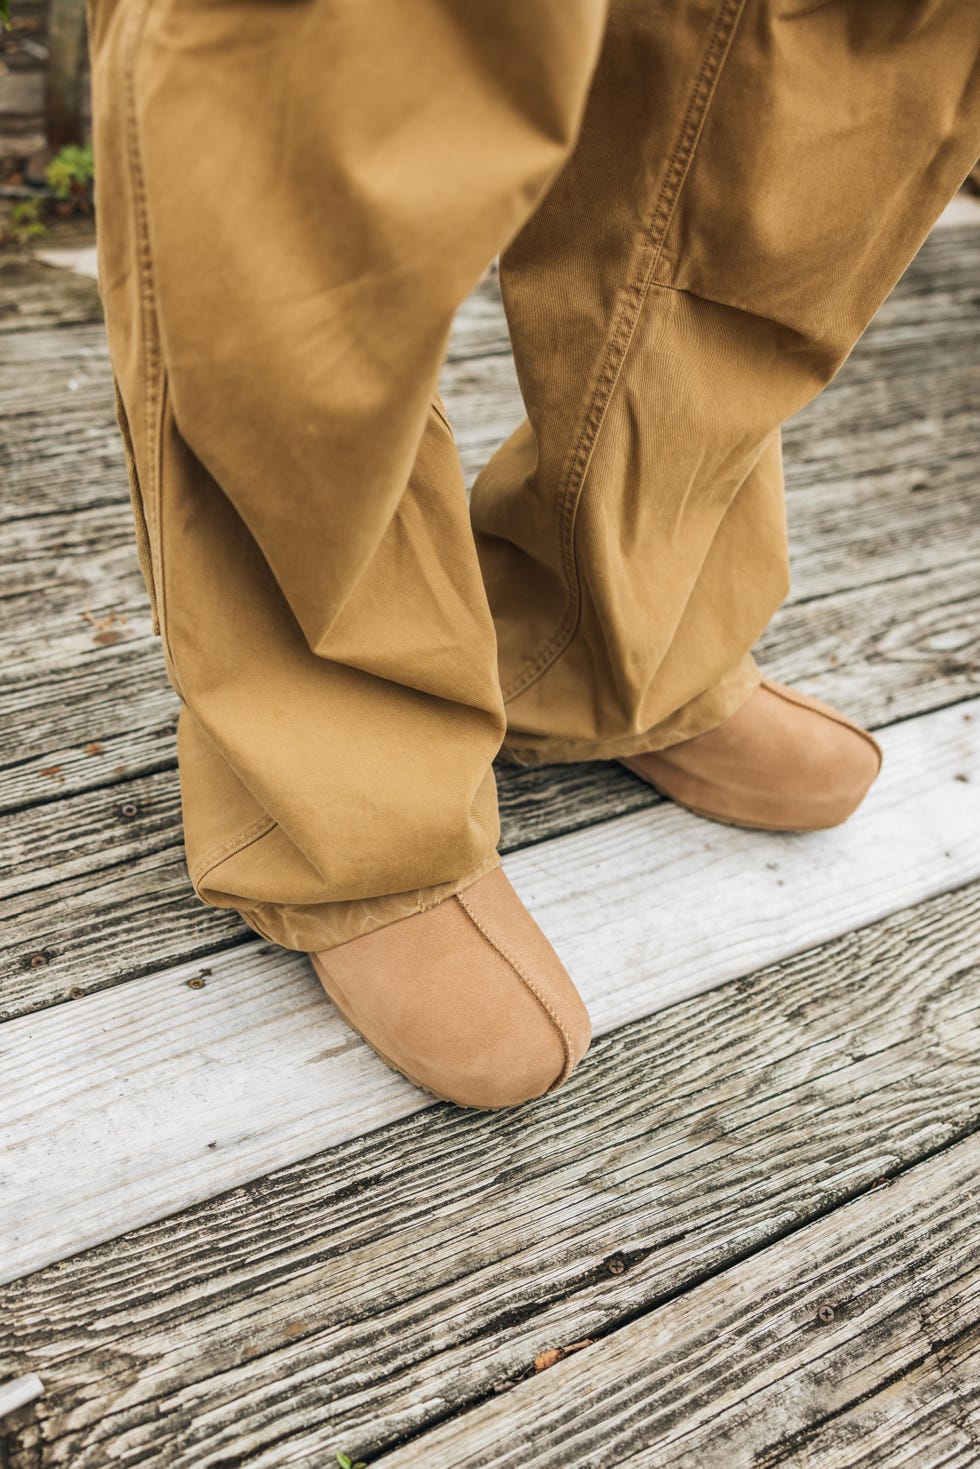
x,y
783,762
467,999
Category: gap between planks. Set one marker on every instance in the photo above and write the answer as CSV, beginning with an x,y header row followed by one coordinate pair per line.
x,y
135,1102
731,1373
359,1296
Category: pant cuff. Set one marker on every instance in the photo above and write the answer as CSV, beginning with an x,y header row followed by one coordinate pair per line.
x,y
703,713
313,927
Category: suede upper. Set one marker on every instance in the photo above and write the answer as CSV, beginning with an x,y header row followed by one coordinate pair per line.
x,y
467,999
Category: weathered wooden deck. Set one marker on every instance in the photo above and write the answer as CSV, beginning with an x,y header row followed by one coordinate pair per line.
x,y
230,1237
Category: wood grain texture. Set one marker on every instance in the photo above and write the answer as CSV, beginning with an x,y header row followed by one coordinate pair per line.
x,y
258,1063
929,1417
53,467
353,1299
728,1375
55,371
33,295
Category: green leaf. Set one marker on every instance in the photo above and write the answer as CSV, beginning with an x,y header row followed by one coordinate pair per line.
x,y
70,172
344,1462
25,220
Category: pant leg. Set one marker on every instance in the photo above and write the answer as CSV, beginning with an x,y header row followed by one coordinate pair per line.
x,y
292,199
750,180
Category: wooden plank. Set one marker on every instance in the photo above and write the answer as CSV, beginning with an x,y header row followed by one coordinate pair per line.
x,y
50,557
18,1391
94,932
56,371
77,917
929,1417
113,695
864,655
724,1376
33,295
257,1062
79,255
355,1298
127,821
52,466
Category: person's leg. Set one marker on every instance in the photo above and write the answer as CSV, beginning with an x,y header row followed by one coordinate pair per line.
x,y
292,199
749,183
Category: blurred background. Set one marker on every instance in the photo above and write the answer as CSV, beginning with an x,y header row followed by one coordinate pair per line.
x,y
45,153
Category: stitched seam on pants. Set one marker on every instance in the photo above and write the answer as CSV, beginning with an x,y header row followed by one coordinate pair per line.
x,y
231,848
530,986
161,554
147,314
143,549
154,381
622,329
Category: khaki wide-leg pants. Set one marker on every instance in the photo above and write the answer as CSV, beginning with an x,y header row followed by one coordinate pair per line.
x,y
700,205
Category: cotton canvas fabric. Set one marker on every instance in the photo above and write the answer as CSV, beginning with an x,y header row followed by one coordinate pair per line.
x,y
698,206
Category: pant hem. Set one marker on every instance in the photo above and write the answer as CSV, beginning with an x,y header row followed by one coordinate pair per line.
x,y
697,717
309,928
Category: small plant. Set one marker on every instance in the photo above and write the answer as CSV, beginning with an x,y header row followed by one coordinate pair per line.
x,y
26,222
4,15
69,178
70,174
346,1462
